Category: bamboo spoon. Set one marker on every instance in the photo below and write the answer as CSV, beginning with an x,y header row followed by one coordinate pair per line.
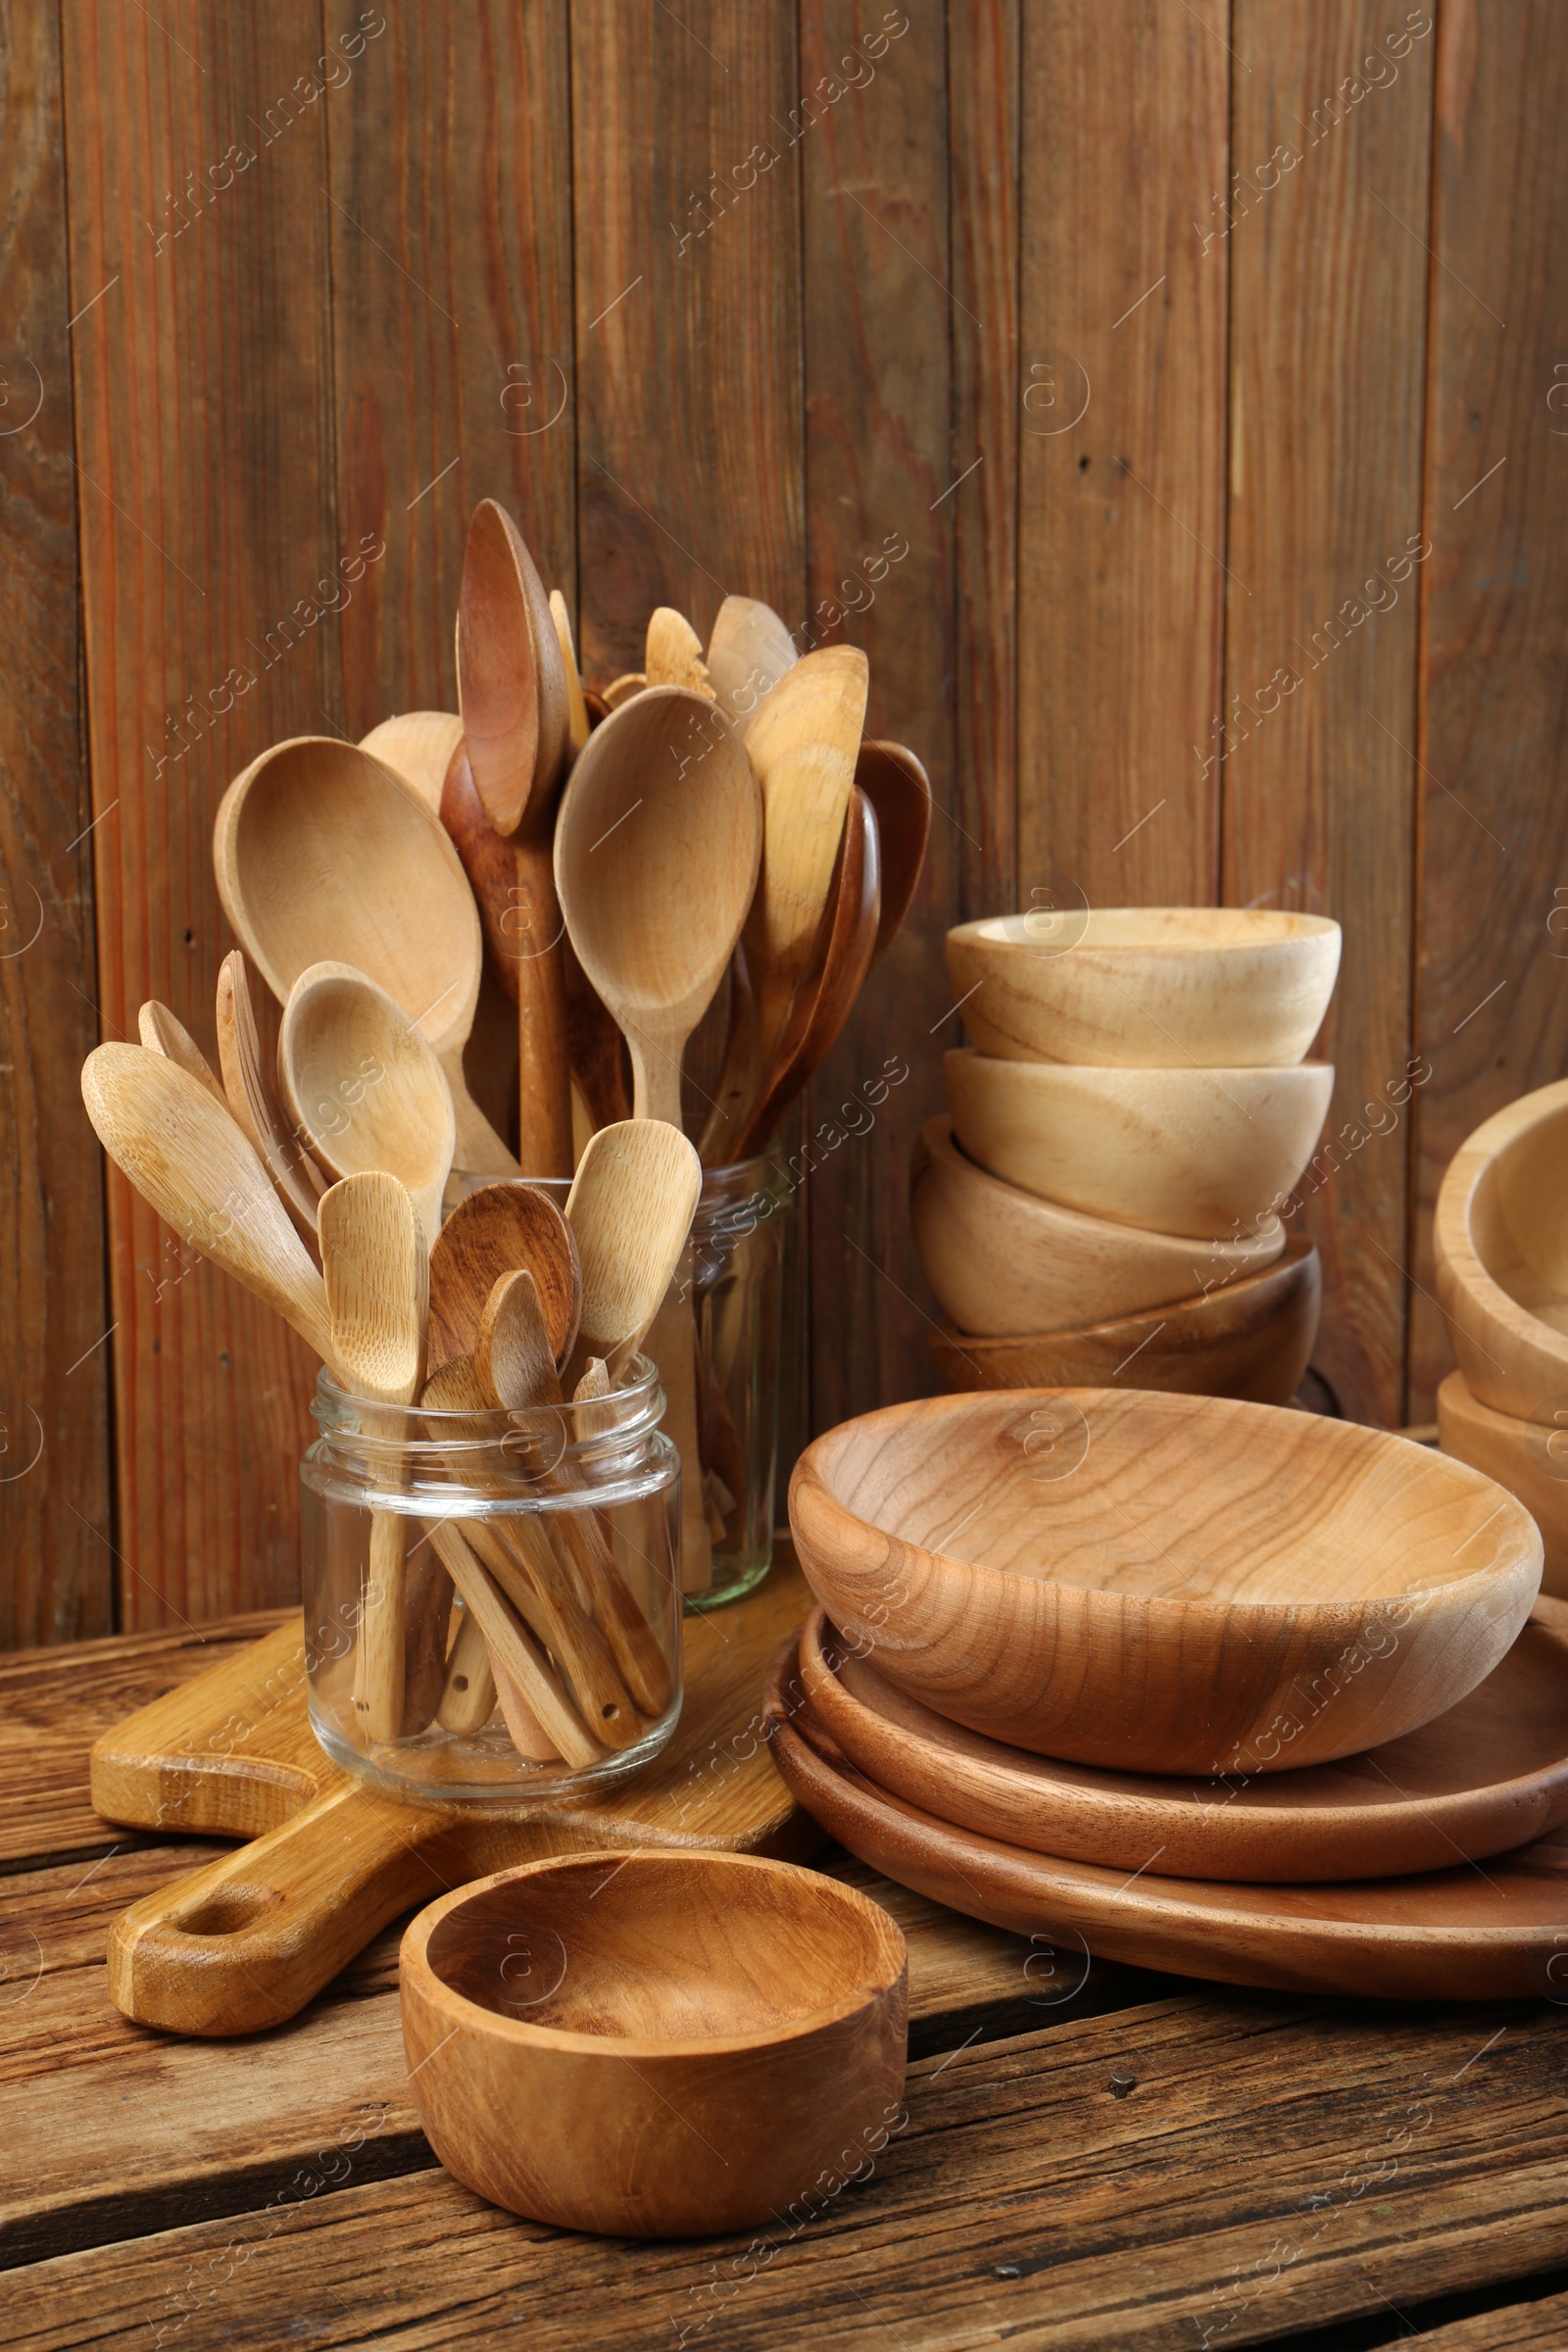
x,y
189,1159
322,851
364,1086
749,652
899,789
162,1033
656,851
418,746
516,719
496,1229
248,1091
376,1269
576,708
674,653
630,1208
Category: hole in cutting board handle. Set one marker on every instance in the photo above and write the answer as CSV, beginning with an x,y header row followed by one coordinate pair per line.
x,y
229,1910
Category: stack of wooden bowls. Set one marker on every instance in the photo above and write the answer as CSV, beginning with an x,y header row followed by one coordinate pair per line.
x,y
1501,1242
1103,1204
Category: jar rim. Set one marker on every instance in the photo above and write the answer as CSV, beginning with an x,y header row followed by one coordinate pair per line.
x,y
571,1426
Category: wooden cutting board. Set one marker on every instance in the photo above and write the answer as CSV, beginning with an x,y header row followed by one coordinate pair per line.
x,y
244,1942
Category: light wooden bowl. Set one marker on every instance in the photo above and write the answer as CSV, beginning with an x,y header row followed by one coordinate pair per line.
x,y
1003,1262
653,2045
1161,1584
1527,1458
1501,1243
1191,1151
1251,1339
1152,987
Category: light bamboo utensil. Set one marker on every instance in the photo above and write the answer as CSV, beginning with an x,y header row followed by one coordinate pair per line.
x,y
1151,986
1200,1152
1161,1584
595,1381
899,789
576,708
656,851
376,1264
191,1161
249,1092
363,1084
1500,1237
748,654
674,653
416,745
498,1228
1003,1262
161,1032
1528,1457
323,852
517,719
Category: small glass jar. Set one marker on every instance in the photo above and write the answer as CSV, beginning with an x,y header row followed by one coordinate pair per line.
x,y
736,1273
492,1600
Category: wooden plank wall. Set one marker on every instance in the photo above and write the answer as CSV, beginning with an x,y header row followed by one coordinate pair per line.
x,y
1100,366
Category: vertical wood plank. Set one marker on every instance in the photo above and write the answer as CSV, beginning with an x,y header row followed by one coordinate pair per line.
x,y
881,476
451,229
1328,335
197,148
1492,969
1121,554
54,1418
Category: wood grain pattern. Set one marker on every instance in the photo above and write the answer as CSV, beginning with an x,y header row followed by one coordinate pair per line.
x,y
55,1469
1325,521
1492,1010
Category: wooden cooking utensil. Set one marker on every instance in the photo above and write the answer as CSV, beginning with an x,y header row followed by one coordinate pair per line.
x,y
468,1693
162,1033
770,2002
1162,1583
803,744
656,851
418,746
363,1084
1454,1934
576,708
499,1227
747,653
517,721
513,1356
1501,1237
1252,1338
189,1160
249,1092
1528,1457
899,789
1489,1775
735,1086
621,690
375,1261
674,653
320,851
1003,1261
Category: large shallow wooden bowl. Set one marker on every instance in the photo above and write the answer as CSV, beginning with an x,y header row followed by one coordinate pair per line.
x,y
1003,1261
1161,1584
653,2045
1201,1153
1527,1458
1501,1243
1148,987
1252,1337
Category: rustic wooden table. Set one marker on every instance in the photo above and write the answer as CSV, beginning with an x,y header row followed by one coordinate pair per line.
x,y
1116,2159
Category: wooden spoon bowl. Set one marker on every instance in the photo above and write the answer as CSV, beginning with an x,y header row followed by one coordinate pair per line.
x,y
495,1230
1162,1583
1501,1242
652,2044
363,1084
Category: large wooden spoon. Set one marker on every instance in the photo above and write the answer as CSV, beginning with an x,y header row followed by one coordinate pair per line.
x,y
416,745
364,1085
748,654
250,1095
163,1032
189,1159
497,1229
656,851
322,851
899,789
517,719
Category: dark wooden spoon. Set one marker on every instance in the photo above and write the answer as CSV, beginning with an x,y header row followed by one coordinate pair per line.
x,y
497,1229
899,789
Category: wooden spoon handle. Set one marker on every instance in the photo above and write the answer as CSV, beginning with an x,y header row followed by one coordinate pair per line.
x,y
544,1138
511,1648
481,1152
469,1695
523,1564
671,1342
633,1642
378,1657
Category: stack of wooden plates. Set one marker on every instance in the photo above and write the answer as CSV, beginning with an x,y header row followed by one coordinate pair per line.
x,y
1215,1689
1104,1202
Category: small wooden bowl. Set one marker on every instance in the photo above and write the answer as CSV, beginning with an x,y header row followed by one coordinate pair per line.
x,y
1501,1242
1526,1457
655,2044
1161,1584
1190,1152
1147,987
1004,1264
1251,1339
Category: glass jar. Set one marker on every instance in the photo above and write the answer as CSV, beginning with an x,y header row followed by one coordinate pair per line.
x,y
492,1600
736,1275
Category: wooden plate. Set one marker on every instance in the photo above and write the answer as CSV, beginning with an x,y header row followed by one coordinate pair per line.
x,y
1489,1775
1484,1932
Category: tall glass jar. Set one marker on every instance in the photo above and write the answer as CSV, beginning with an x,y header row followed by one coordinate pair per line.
x,y
492,1600
736,1274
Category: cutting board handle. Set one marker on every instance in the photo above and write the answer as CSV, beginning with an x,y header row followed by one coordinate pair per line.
x,y
244,1942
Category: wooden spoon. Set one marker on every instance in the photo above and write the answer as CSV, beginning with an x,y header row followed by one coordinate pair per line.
x,y
747,653
418,746
656,851
161,1032
248,1092
516,719
576,708
497,1229
188,1158
899,789
630,1210
674,653
363,1084
620,690
322,851
513,1356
